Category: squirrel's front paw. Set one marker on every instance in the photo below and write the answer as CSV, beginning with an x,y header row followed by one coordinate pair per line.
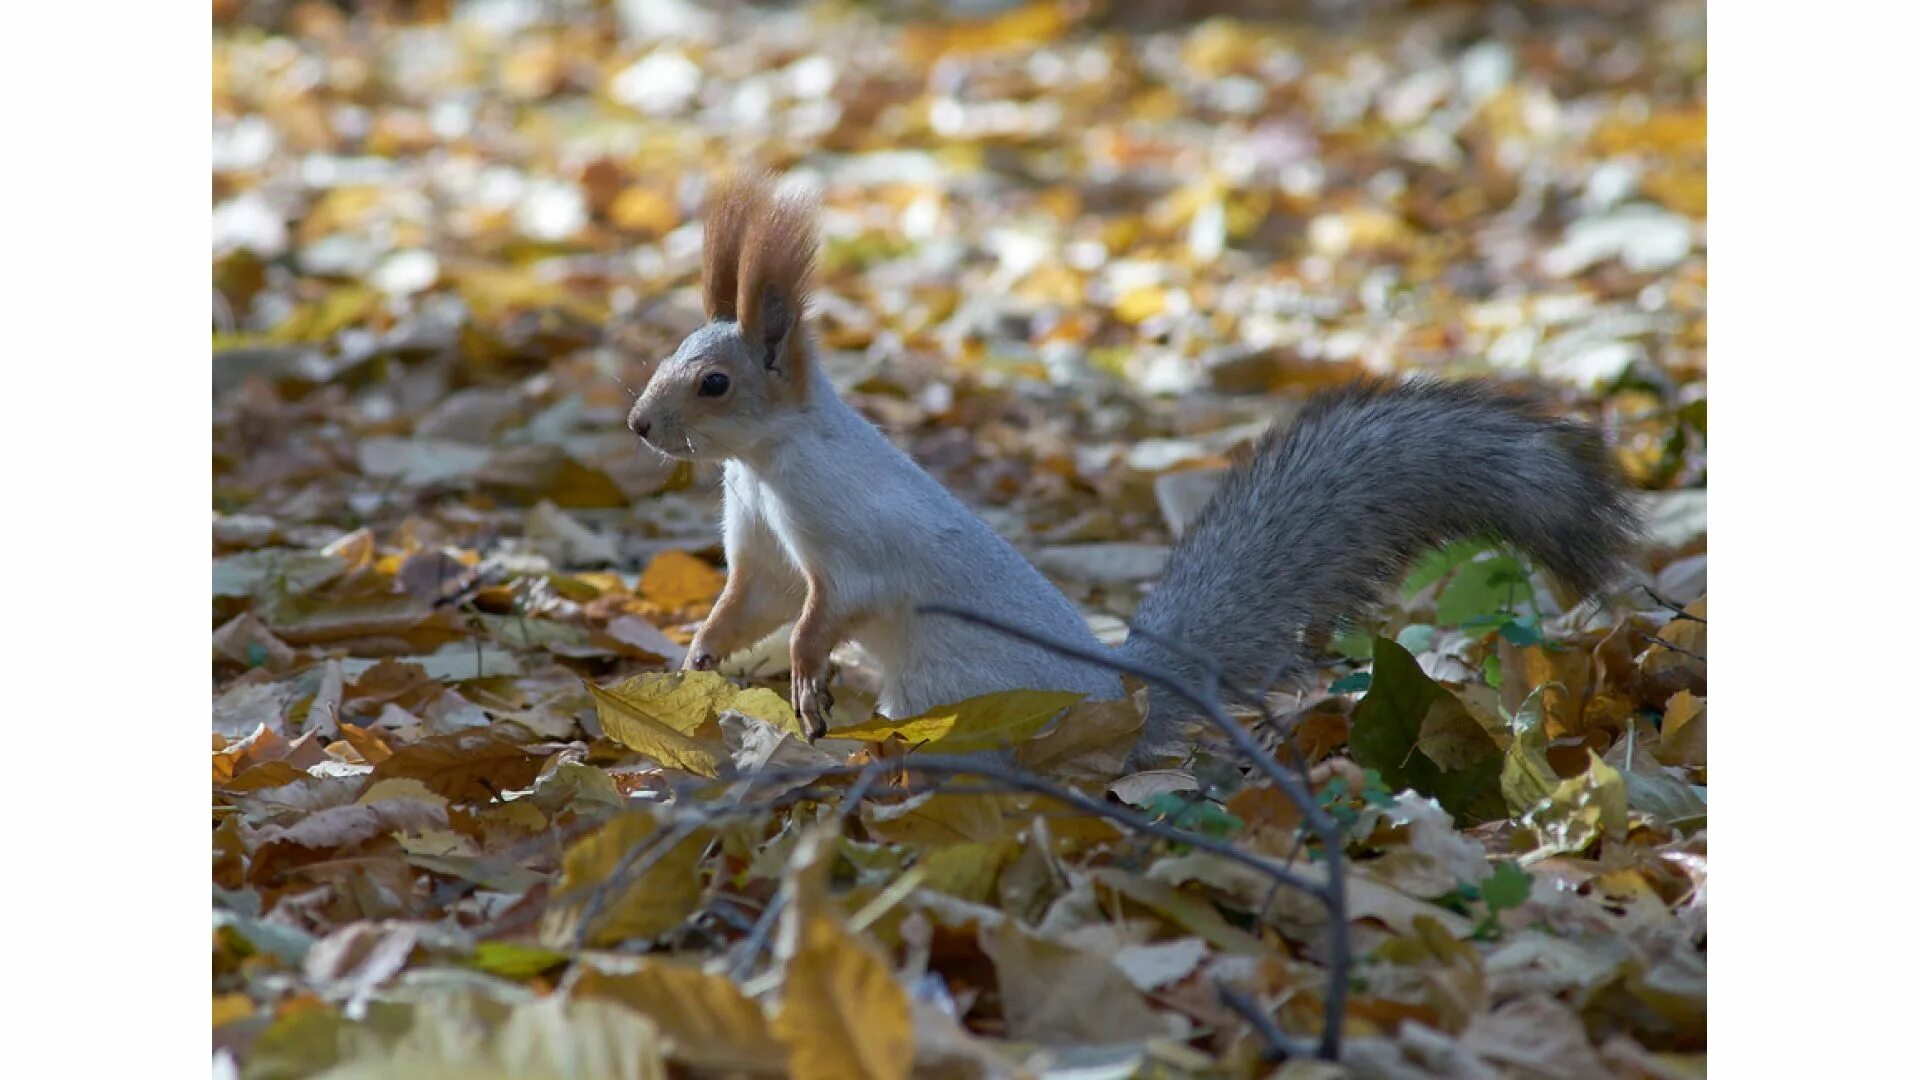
x,y
812,703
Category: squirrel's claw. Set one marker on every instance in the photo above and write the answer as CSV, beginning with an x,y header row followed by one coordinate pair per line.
x,y
812,704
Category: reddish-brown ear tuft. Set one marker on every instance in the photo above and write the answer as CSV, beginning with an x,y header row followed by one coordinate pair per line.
x,y
776,268
731,207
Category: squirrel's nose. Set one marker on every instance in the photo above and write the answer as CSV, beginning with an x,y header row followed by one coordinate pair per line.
x,y
638,425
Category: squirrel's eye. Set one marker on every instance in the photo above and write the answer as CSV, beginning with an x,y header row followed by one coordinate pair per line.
x,y
713,384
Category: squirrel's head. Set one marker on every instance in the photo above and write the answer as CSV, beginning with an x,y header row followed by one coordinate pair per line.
x,y
729,385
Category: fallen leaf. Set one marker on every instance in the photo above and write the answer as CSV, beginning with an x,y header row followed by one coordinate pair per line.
x,y
466,766
1387,729
1683,732
988,722
707,1021
841,1012
676,580
1054,993
636,900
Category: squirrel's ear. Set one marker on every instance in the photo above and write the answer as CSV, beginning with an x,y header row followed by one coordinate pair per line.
x,y
775,322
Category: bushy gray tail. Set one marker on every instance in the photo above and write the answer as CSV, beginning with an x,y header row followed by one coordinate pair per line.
x,y
1332,511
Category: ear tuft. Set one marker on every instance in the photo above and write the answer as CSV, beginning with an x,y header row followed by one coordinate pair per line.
x,y
776,267
732,205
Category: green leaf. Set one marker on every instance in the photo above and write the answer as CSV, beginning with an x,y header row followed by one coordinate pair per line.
x,y
1522,632
1197,815
1507,887
1390,723
1354,683
1353,644
1437,562
1415,637
1479,589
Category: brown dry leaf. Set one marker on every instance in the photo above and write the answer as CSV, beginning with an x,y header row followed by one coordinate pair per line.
x,y
1674,663
466,766
1560,675
1090,743
372,748
708,1022
940,819
345,826
1189,911
354,960
267,774
640,637
841,1012
462,1033
1535,1036
676,580
1051,992
248,706
246,640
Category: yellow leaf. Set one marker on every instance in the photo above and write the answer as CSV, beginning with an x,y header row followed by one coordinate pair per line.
x,y
643,210
683,701
636,731
670,717
1582,810
970,870
709,1022
649,902
675,579
230,1007
1139,304
841,1013
1021,27
987,722
1683,732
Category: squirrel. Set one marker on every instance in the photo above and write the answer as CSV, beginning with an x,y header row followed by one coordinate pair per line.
x,y
828,525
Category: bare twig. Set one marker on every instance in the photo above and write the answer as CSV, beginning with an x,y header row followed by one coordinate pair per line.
x,y
1680,612
1331,894
1651,639
757,938
1280,1045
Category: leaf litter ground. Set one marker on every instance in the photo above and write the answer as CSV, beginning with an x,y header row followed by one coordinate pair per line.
x,y
465,823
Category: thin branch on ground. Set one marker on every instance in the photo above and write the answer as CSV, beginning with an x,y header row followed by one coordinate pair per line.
x,y
1332,894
